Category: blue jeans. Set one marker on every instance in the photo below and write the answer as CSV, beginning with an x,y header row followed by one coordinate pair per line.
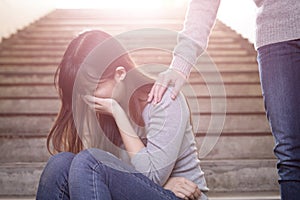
x,y
96,174
279,67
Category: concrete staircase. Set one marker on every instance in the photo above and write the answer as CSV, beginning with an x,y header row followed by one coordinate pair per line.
x,y
240,166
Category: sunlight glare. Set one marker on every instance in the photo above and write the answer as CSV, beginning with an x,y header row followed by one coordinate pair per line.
x,y
118,4
240,16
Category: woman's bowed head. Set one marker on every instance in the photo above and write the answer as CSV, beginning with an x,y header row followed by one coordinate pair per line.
x,y
96,71
106,128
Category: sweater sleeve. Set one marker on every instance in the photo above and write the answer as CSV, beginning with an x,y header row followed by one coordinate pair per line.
x,y
165,130
193,39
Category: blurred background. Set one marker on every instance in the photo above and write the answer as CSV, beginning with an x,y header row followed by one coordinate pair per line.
x,y
14,15
34,35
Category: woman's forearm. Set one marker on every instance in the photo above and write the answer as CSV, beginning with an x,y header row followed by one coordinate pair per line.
x,y
132,142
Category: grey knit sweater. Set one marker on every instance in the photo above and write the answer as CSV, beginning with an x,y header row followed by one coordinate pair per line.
x,y
277,21
170,144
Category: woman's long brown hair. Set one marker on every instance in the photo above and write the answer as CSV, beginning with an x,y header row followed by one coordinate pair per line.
x,y
63,135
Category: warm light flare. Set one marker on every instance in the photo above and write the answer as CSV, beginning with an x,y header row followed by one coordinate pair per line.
x,y
118,4
240,16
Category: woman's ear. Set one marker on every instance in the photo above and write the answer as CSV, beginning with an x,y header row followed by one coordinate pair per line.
x,y
120,73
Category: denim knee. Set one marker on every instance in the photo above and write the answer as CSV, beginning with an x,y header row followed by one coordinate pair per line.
x,y
82,160
92,157
54,179
61,157
56,167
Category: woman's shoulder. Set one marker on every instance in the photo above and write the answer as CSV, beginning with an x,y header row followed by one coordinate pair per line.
x,y
179,104
167,97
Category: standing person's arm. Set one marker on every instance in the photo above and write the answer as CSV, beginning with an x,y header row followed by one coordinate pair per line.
x,y
192,41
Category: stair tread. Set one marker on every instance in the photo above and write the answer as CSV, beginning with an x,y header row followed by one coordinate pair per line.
x,y
33,149
221,175
241,123
197,105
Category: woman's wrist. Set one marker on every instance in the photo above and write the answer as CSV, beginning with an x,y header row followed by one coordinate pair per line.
x,y
132,142
116,109
181,65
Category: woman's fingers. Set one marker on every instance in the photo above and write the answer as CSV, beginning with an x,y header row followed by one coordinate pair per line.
x,y
188,192
102,105
94,103
180,195
88,101
191,185
177,87
151,94
89,98
159,88
190,189
95,100
163,84
183,188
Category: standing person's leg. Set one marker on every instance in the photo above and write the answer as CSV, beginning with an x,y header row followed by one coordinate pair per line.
x,y
279,66
53,183
96,174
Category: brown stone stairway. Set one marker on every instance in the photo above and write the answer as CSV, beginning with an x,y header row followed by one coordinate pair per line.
x,y
242,161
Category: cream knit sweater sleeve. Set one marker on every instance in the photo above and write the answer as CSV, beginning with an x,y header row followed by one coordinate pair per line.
x,y
193,39
276,21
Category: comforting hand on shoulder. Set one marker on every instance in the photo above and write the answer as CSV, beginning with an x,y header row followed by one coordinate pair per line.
x,y
166,78
183,188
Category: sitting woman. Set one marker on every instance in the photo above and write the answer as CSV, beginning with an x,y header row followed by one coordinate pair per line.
x,y
145,151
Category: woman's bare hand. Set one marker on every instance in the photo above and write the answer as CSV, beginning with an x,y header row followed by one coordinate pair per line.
x,y
165,78
183,188
101,105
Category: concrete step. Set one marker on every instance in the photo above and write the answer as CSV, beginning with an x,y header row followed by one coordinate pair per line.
x,y
159,59
39,125
77,29
196,90
12,53
50,69
28,47
33,149
27,69
64,41
197,106
222,176
172,13
245,196
81,22
216,90
19,179
35,53
146,59
35,34
195,78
